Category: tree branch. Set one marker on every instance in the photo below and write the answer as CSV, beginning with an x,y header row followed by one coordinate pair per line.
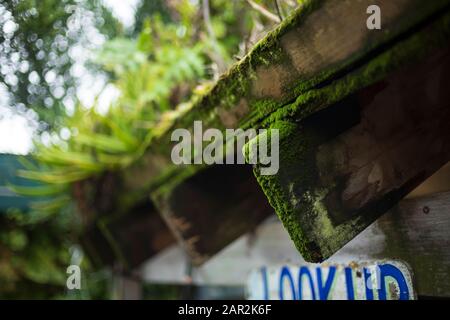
x,y
264,11
280,14
217,57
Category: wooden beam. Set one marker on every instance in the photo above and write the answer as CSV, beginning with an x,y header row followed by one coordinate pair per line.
x,y
211,209
344,166
320,55
322,40
221,108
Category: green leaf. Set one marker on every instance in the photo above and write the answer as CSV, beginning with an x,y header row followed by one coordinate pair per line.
x,y
104,143
53,205
114,160
68,158
55,177
38,191
122,134
27,163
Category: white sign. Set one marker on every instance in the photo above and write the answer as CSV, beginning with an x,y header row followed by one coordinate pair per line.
x,y
380,280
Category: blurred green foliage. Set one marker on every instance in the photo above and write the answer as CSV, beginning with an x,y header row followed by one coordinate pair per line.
x,y
153,72
33,257
174,52
35,253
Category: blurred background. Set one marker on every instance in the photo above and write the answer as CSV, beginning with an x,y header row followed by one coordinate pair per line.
x,y
79,77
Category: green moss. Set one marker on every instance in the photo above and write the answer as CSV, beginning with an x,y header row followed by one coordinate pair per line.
x,y
235,84
278,188
268,50
297,146
294,192
294,196
297,195
404,53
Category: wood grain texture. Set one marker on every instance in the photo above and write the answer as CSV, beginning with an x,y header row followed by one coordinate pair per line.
x,y
417,231
213,208
355,160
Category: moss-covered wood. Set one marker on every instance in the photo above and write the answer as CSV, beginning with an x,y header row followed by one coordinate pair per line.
x,y
344,166
314,59
239,100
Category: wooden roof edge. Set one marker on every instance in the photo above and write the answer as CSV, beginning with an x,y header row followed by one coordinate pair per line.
x,y
303,66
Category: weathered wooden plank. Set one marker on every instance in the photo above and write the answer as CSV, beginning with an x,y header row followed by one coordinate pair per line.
x,y
330,36
96,247
127,288
417,231
373,70
344,166
213,208
404,233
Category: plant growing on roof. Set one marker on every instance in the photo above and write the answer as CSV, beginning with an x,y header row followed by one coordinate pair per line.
x,y
153,73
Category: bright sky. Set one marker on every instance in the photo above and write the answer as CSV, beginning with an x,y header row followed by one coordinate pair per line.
x,y
123,10
16,132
